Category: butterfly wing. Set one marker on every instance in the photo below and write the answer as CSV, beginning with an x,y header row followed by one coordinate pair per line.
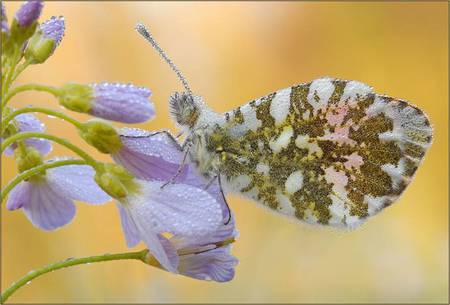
x,y
330,152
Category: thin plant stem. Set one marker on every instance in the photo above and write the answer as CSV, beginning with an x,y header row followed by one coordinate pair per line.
x,y
139,255
26,135
57,114
36,87
36,170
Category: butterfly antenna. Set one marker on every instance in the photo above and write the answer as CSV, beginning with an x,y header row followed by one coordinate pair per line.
x,y
146,34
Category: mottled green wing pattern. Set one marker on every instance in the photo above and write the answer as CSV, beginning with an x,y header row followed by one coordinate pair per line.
x,y
330,152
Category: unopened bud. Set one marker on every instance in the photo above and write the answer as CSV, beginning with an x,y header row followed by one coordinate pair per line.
x,y
45,40
115,181
28,158
76,97
102,136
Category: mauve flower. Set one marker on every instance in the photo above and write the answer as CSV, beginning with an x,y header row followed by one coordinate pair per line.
x,y
4,20
157,157
54,29
178,209
28,13
148,155
47,200
29,122
45,40
121,103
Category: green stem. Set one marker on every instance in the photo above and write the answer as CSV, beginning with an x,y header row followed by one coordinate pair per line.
x,y
41,110
8,78
140,256
20,69
26,135
28,87
36,170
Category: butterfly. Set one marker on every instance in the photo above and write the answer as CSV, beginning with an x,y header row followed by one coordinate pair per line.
x,y
330,152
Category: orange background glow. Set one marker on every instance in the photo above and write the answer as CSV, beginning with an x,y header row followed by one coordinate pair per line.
x,y
232,53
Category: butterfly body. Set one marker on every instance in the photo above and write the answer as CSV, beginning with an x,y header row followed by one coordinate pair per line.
x,y
328,152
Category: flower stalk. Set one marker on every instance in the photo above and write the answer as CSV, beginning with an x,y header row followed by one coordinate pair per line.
x,y
27,135
57,114
28,87
139,255
36,170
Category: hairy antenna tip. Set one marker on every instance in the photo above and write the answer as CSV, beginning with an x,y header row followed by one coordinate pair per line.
x,y
141,28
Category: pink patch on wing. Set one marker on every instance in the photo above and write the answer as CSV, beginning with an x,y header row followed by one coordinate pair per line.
x,y
338,179
340,135
354,160
336,115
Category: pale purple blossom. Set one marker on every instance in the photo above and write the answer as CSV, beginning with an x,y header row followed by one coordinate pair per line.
x,y
47,200
121,103
178,209
148,155
29,122
157,157
29,12
4,20
53,29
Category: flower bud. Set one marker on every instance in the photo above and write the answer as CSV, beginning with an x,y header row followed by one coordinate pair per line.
x,y
45,40
102,136
25,21
76,97
28,158
115,181
122,103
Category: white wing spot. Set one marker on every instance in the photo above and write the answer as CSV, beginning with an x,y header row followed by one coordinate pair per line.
x,y
279,106
283,139
353,89
294,182
262,168
284,204
324,88
302,141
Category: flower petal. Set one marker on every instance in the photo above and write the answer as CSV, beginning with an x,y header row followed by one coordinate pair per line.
x,y
29,122
48,209
179,209
212,187
217,265
161,249
149,155
29,12
122,103
130,231
158,144
19,196
145,167
77,182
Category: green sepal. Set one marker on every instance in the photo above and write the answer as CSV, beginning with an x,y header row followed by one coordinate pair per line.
x,y
76,97
39,48
101,135
27,158
115,180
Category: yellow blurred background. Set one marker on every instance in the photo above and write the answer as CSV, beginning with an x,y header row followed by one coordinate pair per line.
x,y
232,53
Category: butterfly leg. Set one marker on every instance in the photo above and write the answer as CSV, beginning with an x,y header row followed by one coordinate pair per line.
x,y
224,200
180,168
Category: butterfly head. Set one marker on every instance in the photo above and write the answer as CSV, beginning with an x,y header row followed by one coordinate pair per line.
x,y
185,109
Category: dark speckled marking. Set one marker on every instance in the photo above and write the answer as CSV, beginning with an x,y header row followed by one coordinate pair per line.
x,y
315,195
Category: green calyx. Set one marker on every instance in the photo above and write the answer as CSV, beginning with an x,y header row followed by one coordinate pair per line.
x,y
76,97
39,48
20,34
116,181
101,135
27,158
